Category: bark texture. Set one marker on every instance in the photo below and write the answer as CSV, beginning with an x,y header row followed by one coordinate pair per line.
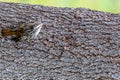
x,y
74,44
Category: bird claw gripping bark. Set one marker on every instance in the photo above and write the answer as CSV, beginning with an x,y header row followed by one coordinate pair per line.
x,y
24,32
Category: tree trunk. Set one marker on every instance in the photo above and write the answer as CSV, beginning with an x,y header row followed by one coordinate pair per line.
x,y
74,44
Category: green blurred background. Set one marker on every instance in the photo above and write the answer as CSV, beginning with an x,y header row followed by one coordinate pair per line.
x,y
112,6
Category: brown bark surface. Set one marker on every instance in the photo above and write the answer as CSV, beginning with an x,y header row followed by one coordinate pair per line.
x,y
74,44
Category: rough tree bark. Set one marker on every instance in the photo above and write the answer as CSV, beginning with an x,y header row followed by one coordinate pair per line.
x,y
74,44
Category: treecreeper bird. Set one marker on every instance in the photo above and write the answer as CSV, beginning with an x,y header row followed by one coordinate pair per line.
x,y
24,32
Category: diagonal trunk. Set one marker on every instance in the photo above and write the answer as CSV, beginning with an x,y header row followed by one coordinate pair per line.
x,y
74,44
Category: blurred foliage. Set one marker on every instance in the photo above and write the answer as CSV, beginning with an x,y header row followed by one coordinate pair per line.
x,y
101,5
